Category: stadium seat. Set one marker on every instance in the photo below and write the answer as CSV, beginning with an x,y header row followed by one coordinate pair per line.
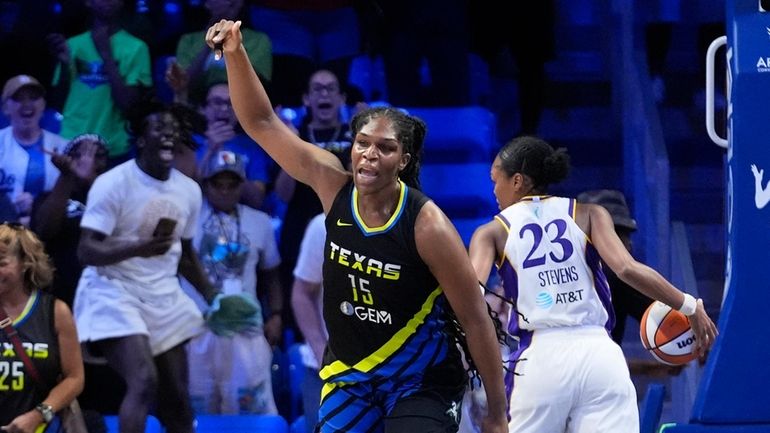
x,y
298,425
460,190
296,373
651,408
458,134
466,226
368,74
153,425
241,424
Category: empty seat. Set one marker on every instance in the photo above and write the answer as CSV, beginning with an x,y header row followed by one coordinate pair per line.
x,y
298,425
368,74
241,424
466,226
458,134
460,190
296,373
152,426
651,408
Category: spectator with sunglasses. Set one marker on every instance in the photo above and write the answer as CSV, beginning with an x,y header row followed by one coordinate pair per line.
x,y
46,377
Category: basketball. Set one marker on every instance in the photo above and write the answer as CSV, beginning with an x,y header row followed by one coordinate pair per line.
x,y
666,334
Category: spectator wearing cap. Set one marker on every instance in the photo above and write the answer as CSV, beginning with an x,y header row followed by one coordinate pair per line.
x,y
231,374
626,301
223,133
26,168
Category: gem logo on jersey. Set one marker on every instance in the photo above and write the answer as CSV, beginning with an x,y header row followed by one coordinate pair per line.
x,y
346,308
366,314
544,300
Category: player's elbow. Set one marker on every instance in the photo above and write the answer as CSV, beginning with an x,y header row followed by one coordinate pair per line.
x,y
629,271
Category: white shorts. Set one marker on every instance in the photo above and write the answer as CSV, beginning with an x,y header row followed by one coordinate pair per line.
x,y
109,308
231,375
573,380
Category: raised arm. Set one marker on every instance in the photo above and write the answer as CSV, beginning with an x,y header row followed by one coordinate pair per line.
x,y
302,160
597,222
442,250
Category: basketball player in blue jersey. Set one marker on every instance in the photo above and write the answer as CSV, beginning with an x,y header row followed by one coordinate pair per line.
x,y
395,271
567,374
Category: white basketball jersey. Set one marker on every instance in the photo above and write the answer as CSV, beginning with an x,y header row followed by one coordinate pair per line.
x,y
551,271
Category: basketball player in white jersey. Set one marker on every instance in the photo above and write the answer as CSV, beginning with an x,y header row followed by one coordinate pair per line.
x,y
567,375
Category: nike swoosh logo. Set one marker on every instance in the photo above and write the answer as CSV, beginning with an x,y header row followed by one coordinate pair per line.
x,y
342,224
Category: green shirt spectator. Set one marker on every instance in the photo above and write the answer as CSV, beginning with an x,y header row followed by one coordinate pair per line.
x,y
192,47
89,104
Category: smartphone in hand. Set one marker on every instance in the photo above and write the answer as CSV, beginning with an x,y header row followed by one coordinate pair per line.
x,y
165,227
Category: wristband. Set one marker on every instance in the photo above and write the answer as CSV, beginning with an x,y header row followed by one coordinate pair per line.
x,y
689,305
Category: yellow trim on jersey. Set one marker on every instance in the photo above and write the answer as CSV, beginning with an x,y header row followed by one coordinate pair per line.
x,y
508,231
27,308
588,238
393,218
390,347
326,389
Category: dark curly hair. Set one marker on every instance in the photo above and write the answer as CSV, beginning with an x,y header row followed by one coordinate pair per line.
x,y
190,120
534,157
410,132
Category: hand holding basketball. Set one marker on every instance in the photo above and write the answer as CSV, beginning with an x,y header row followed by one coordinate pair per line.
x,y
666,334
673,338
704,329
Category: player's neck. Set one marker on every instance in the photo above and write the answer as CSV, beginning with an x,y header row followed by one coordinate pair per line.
x,y
376,207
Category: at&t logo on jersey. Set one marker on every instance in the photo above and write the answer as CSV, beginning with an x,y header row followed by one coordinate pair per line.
x,y
544,300
366,314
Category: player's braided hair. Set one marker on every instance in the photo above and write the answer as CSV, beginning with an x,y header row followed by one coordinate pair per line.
x,y
456,331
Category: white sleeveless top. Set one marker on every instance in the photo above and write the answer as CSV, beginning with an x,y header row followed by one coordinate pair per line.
x,y
550,270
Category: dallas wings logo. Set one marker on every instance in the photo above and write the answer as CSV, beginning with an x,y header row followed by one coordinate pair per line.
x,y
761,194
